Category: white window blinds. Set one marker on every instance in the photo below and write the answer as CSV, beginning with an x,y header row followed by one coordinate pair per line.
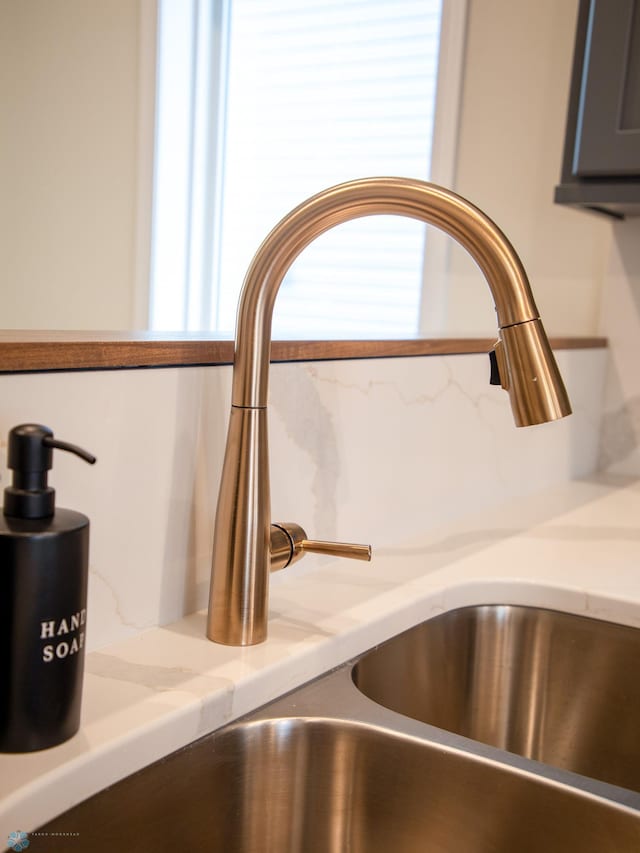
x,y
312,93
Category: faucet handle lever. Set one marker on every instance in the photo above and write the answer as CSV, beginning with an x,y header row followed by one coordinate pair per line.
x,y
337,549
289,543
499,369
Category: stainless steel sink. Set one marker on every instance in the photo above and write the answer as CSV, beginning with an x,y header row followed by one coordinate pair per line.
x,y
327,770
557,688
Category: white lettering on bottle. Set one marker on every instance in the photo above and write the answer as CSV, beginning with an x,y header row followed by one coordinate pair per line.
x,y
64,626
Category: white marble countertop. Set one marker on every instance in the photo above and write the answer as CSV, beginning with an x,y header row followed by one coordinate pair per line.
x,y
576,548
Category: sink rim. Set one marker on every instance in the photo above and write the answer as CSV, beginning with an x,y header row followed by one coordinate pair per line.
x,y
313,701
595,787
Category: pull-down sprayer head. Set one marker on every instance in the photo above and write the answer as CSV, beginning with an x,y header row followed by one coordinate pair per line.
x,y
528,371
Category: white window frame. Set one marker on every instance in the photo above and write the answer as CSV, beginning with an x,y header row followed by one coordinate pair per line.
x,y
444,157
173,235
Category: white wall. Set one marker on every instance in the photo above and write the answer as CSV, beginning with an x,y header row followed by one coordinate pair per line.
x,y
69,118
516,85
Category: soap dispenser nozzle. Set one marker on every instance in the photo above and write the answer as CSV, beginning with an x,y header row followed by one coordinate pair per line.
x,y
30,457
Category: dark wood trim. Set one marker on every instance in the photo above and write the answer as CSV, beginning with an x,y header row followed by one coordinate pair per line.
x,y
44,351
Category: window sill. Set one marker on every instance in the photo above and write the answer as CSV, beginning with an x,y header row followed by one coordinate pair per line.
x,y
44,351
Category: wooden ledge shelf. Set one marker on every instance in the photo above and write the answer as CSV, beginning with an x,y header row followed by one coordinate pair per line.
x,y
44,351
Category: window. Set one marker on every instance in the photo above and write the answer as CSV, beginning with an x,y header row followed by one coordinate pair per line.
x,y
262,104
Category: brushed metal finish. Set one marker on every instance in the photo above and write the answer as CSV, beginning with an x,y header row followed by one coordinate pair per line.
x,y
325,770
533,378
241,561
557,688
319,786
238,594
281,547
289,543
335,549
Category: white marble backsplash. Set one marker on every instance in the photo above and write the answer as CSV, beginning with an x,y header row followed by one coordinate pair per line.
x,y
620,322
373,451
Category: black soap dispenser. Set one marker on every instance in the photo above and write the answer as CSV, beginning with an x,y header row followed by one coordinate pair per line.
x,y
44,558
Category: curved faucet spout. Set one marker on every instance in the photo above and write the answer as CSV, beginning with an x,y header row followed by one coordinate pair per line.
x,y
427,202
241,561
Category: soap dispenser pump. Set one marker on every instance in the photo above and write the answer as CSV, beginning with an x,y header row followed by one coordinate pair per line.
x,y
44,559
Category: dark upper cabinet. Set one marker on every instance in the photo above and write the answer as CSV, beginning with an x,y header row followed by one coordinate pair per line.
x,y
601,164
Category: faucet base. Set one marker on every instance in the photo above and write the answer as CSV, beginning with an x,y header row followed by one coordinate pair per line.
x,y
238,600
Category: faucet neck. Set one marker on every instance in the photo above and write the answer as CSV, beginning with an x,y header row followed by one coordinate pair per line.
x,y
429,203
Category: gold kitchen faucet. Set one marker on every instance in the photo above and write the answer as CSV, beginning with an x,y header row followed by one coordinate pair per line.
x,y
246,544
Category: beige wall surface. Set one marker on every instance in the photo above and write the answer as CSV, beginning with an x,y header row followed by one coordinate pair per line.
x,y
512,125
68,148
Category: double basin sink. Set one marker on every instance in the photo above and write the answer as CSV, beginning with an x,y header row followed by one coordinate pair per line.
x,y
488,729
